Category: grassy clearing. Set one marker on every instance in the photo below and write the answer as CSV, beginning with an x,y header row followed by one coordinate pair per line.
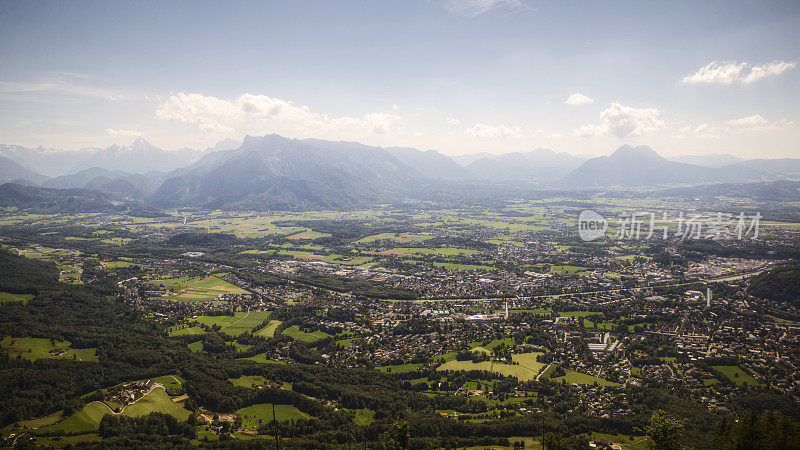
x,y
196,346
88,419
262,358
6,297
157,401
269,329
736,375
256,415
248,381
577,313
116,264
296,333
439,251
401,238
37,348
237,324
197,288
581,378
84,421
364,417
398,368
566,270
526,370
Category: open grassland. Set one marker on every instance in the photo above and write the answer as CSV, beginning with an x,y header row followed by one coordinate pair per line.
x,y
88,419
36,348
197,288
237,324
736,375
297,334
526,370
269,330
581,378
6,297
84,421
157,401
257,415
398,368
402,238
566,270
248,381
262,358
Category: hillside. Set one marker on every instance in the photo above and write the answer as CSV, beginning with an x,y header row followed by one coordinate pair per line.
x,y
273,172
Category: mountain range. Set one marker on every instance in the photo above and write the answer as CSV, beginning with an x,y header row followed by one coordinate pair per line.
x,y
274,172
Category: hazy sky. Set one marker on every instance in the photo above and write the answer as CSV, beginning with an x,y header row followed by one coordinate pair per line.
x,y
455,76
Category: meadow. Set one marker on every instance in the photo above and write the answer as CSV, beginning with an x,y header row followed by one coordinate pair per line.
x,y
256,415
197,288
37,348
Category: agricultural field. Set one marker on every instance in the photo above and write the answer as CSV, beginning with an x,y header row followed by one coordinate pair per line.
x,y
37,348
257,415
197,288
248,381
526,370
296,333
6,297
573,377
736,375
269,329
402,238
237,324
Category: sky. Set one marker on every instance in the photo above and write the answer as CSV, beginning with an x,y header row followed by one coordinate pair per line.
x,y
457,76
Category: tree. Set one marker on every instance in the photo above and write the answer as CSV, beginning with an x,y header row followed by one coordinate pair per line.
x,y
665,430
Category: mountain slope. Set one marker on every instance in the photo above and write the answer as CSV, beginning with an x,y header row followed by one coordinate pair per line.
x,y
115,181
273,172
431,163
11,171
642,166
540,165
50,201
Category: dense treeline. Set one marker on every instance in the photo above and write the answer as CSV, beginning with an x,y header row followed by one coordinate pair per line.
x,y
781,284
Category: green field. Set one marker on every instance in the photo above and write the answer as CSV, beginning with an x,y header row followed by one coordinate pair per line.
x,y
398,368
197,288
196,346
84,421
401,238
116,264
566,270
262,358
736,375
526,370
440,251
364,417
6,297
237,324
269,329
577,313
248,381
256,415
297,334
88,419
36,348
581,378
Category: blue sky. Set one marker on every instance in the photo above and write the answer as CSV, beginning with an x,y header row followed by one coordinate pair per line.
x,y
456,76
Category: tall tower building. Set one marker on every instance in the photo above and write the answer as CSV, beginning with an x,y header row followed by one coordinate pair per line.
x,y
709,296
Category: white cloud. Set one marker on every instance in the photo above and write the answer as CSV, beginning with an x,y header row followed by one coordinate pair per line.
x,y
555,136
122,132
733,72
62,85
578,99
765,70
474,8
251,113
758,123
622,121
452,121
493,131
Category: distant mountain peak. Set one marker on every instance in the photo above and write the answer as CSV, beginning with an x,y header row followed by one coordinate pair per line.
x,y
641,151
